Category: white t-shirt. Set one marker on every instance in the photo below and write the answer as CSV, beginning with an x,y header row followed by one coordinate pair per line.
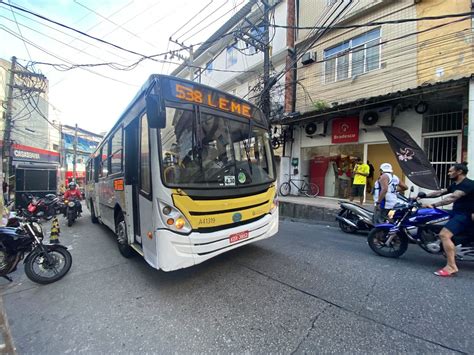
x,y
390,199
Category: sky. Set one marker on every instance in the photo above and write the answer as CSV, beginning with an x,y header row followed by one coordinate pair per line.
x,y
95,96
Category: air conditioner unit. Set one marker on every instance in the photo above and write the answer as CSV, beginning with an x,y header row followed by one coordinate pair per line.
x,y
308,58
313,129
371,119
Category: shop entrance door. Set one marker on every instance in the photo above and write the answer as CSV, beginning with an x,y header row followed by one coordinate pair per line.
x,y
376,155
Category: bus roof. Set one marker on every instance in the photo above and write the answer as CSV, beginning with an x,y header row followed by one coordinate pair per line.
x,y
137,104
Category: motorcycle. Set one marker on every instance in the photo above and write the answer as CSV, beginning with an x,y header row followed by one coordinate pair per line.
x,y
44,264
71,210
353,218
421,226
46,207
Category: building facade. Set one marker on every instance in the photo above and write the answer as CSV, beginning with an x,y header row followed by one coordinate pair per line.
x,y
409,74
77,146
30,141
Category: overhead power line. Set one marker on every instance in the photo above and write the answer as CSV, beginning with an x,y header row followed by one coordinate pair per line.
x,y
378,23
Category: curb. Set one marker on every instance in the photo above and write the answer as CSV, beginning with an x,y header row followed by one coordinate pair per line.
x,y
6,340
308,213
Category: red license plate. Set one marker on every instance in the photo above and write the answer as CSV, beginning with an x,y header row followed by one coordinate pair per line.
x,y
238,236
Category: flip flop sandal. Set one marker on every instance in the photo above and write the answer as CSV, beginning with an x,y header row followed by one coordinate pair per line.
x,y
444,273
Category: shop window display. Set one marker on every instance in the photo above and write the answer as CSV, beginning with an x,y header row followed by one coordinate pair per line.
x,y
330,167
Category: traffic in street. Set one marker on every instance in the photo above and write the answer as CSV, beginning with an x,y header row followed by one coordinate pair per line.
x,y
311,288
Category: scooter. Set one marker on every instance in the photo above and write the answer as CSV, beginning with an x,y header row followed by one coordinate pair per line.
x,y
354,218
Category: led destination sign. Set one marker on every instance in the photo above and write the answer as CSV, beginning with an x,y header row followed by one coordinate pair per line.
x,y
205,96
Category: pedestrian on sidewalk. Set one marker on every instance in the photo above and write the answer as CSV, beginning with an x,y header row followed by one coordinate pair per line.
x,y
361,172
5,192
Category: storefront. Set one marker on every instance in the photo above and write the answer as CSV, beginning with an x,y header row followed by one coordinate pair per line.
x,y
327,145
35,172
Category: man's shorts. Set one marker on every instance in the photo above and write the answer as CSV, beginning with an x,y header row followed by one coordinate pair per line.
x,y
358,190
458,223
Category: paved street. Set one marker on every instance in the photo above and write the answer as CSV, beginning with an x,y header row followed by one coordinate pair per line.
x,y
309,289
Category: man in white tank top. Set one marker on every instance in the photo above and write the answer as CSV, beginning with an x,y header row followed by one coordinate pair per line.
x,y
385,192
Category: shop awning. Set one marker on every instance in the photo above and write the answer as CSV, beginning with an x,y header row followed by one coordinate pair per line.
x,y
356,106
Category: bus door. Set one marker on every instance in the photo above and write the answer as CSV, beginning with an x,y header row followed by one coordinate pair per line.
x,y
132,155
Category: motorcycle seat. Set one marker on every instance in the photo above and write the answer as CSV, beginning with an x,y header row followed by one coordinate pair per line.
x,y
356,205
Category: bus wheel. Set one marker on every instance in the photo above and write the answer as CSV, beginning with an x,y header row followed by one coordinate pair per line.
x,y
122,240
94,218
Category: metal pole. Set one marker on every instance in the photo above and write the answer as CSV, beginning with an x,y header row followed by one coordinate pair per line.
x,y
470,130
266,62
74,156
8,119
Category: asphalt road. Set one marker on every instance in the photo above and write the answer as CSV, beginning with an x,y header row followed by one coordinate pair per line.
x,y
309,289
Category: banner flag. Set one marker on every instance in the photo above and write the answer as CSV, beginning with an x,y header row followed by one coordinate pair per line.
x,y
412,158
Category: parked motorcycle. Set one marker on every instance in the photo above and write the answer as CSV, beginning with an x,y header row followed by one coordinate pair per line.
x,y
420,225
72,210
354,218
44,264
46,207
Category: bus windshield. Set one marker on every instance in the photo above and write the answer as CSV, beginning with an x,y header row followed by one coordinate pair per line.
x,y
211,151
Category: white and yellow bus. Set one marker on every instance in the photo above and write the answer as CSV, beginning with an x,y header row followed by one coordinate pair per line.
x,y
185,174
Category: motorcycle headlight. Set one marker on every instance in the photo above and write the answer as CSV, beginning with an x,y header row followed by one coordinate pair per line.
x,y
71,204
173,218
391,213
37,229
414,209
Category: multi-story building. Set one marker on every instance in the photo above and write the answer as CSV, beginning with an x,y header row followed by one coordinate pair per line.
x,y
379,69
30,141
78,145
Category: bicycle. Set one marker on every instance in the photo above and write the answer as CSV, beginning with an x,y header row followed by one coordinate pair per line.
x,y
308,188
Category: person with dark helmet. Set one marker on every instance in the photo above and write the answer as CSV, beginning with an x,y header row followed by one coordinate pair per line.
x,y
461,195
74,193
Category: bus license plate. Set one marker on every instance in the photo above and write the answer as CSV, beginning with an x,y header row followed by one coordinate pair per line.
x,y
238,236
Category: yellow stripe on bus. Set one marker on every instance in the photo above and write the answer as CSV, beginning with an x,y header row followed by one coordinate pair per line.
x,y
211,213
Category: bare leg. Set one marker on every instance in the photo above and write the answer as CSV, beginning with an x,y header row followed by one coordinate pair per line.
x,y
449,249
361,200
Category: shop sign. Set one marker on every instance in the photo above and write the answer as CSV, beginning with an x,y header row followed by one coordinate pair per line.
x,y
345,130
25,153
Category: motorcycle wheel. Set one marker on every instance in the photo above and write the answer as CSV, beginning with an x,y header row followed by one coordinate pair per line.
x,y
344,226
70,219
38,269
377,238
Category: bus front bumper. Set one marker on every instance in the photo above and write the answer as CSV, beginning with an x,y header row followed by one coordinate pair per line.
x,y
178,251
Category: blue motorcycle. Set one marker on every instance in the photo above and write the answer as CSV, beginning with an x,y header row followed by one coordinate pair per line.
x,y
418,225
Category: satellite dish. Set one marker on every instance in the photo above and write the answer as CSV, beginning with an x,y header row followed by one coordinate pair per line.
x,y
370,118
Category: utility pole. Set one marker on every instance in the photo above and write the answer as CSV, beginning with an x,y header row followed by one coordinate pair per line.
x,y
266,61
8,120
188,60
262,44
74,156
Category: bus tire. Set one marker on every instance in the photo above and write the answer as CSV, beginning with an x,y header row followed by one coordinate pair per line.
x,y
122,239
94,218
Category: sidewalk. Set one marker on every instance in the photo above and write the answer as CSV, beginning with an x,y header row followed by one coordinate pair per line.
x,y
318,210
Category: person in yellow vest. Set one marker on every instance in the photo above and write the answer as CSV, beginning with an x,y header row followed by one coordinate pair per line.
x,y
360,172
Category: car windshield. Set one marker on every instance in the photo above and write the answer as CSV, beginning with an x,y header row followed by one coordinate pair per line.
x,y
212,151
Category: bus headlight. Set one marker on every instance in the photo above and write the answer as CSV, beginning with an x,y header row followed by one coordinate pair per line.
x,y
173,218
274,205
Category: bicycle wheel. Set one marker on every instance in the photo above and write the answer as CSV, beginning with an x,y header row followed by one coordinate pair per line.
x,y
311,190
285,189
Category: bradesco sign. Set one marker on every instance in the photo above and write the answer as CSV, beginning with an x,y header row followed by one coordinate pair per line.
x,y
345,130
25,153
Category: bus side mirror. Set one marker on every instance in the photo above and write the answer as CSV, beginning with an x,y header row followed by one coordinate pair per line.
x,y
155,111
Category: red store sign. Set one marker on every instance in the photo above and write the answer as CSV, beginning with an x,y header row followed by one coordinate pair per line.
x,y
345,130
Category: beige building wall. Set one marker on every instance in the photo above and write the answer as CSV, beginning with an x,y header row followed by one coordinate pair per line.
x,y
398,54
446,52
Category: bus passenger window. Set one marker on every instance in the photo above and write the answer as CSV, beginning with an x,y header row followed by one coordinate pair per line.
x,y
145,174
